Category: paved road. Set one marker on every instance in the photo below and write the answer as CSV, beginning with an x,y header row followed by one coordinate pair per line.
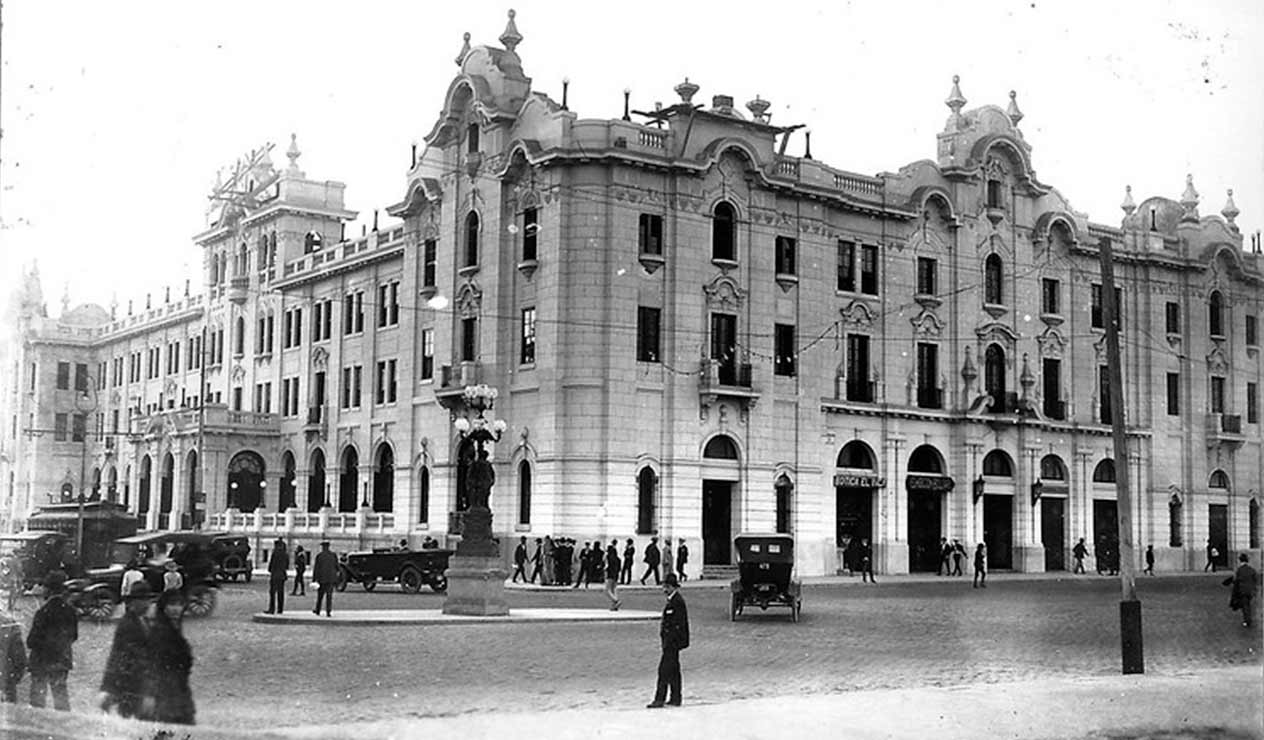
x,y
893,635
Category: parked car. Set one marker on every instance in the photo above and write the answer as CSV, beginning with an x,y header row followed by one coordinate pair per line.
x,y
231,553
412,569
31,555
766,569
96,595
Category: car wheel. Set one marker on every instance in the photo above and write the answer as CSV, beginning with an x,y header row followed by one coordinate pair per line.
x,y
410,580
201,601
439,584
99,607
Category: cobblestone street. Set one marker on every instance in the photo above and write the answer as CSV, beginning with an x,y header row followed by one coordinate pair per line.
x,y
895,634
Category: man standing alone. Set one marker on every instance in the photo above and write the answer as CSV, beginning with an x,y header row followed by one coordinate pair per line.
x,y
612,572
682,557
1080,552
278,571
53,632
1244,586
325,573
980,567
651,560
673,633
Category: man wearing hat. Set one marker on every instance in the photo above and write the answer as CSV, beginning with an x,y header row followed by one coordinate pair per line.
x,y
128,667
171,578
278,571
53,630
325,574
674,634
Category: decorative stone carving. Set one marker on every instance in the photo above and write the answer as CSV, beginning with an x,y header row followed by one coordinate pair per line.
x,y
857,314
1051,343
724,294
320,358
926,325
469,300
238,374
1217,364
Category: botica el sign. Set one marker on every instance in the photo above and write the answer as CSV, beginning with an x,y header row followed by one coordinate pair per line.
x,y
849,480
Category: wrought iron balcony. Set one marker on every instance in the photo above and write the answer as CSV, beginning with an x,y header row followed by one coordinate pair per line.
x,y
727,380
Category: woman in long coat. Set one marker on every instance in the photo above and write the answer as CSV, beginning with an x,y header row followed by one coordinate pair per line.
x,y
171,662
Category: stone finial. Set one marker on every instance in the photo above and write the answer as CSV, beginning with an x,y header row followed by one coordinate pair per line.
x,y
511,38
1015,115
65,297
1128,206
114,306
293,154
1230,211
686,90
968,371
1026,378
465,50
758,108
1189,199
956,101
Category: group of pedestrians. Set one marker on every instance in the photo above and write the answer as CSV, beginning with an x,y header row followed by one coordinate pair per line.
x,y
950,556
858,558
556,562
146,673
324,576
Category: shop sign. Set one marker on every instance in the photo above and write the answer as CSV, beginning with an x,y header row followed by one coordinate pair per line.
x,y
932,483
850,480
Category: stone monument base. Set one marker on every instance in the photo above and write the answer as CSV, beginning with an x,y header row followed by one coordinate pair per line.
x,y
476,586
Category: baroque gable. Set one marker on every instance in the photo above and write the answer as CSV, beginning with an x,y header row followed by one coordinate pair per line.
x,y
926,325
857,314
724,294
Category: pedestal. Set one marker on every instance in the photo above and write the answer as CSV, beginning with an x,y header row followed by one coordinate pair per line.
x,y
476,586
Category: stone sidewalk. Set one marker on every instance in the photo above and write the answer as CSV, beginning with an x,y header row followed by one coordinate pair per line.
x,y
1225,703
362,617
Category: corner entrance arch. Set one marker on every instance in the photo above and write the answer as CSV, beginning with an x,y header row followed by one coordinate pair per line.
x,y
245,481
926,485
721,472
856,485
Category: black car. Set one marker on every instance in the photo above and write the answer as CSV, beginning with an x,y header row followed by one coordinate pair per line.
x,y
31,555
411,568
98,593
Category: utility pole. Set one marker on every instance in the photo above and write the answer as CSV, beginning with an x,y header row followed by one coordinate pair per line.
x,y
1129,606
200,496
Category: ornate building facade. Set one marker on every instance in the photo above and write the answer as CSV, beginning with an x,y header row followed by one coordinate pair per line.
x,y
692,334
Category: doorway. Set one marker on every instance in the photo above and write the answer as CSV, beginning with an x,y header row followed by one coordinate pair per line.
x,y
717,522
1053,532
853,522
924,510
1218,532
998,531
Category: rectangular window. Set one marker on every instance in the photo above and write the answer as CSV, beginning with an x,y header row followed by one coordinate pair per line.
x,y
1251,338
388,304
1172,317
351,377
428,267
379,388
785,257
259,327
926,274
386,391
63,376
869,269
60,423
327,319
1217,395
357,374
114,421
1173,394
1103,393
353,313
847,266
1052,379
346,387
527,356
530,233
928,392
469,339
783,349
79,430
298,327
34,376
81,376
647,334
1049,295
427,354
650,234
1095,309
237,398
858,386
269,326
994,194
318,314
1252,406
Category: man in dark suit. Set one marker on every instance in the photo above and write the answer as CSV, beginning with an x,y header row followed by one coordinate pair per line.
x,y
520,560
629,556
325,574
651,561
673,632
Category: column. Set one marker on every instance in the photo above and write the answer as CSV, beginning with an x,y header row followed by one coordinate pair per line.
x,y
155,492
974,519
179,488
1030,550
893,553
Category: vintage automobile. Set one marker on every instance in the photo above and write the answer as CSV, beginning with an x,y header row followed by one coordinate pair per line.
x,y
411,568
231,554
765,569
96,595
31,555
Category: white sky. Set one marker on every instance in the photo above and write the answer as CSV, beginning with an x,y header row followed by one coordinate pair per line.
x,y
116,115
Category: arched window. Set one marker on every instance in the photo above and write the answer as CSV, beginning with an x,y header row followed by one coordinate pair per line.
x,y
261,252
524,492
471,138
855,454
926,459
246,481
166,486
239,347
1051,468
721,447
243,262
997,463
1218,479
96,483
127,486
347,483
995,198
384,480
312,242
1104,472
272,248
646,488
316,482
723,232
1215,311
142,495
191,493
994,377
286,498
111,484
1175,537
423,502
471,239
783,490
993,275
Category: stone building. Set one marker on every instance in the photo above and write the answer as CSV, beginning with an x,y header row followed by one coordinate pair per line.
x,y
692,333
